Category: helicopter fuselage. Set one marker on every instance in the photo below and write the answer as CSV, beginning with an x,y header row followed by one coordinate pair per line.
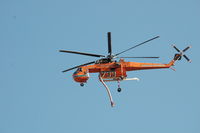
x,y
114,70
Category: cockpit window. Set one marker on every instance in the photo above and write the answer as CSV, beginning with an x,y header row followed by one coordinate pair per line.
x,y
78,70
75,72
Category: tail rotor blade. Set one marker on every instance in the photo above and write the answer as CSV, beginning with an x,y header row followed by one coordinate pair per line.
x,y
186,48
176,48
187,58
181,53
109,44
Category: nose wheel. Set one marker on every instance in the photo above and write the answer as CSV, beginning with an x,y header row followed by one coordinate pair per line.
x,y
81,84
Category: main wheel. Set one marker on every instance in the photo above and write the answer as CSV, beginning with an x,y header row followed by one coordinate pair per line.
x,y
119,89
82,84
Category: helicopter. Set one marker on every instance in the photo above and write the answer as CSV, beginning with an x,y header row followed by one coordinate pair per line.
x,y
109,69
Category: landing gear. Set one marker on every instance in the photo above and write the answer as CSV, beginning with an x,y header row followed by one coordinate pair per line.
x,y
119,89
82,84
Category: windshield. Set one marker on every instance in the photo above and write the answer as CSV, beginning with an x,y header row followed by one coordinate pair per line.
x,y
78,70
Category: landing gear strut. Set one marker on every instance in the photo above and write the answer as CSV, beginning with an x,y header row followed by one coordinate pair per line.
x,y
82,84
119,89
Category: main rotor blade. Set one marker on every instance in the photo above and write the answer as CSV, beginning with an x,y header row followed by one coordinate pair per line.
x,y
138,45
176,48
109,43
81,53
139,57
187,58
79,66
186,48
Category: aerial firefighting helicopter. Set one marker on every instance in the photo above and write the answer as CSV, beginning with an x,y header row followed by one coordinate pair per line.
x,y
110,69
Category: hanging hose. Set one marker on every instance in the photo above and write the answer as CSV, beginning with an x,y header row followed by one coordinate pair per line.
x,y
108,91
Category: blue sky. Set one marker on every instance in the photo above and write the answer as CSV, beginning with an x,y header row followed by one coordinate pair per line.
x,y
35,97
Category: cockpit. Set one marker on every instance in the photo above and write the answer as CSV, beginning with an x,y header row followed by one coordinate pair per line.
x,y
78,70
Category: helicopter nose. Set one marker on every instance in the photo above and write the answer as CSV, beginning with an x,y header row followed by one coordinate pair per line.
x,y
80,77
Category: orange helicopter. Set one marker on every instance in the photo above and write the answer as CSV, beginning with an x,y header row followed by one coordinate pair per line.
x,y
110,69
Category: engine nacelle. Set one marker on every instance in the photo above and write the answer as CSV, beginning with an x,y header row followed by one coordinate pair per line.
x,y
81,75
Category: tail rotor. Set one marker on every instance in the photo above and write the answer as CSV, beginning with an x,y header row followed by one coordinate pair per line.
x,y
181,53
